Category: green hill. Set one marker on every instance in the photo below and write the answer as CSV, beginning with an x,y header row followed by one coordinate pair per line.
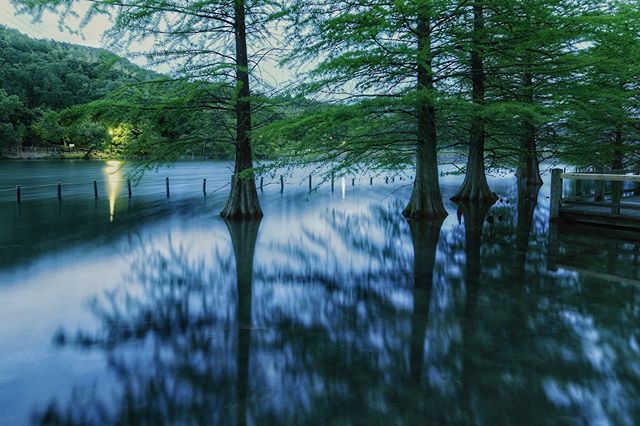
x,y
39,78
54,75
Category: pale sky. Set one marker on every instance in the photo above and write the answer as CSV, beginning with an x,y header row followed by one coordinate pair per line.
x,y
48,28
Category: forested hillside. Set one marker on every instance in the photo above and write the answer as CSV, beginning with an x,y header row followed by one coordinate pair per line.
x,y
56,94
52,75
39,78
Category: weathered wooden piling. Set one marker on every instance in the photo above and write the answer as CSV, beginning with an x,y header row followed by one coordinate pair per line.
x,y
353,181
261,183
204,186
556,193
167,184
18,194
95,189
59,191
281,184
386,179
370,181
129,187
309,183
616,196
333,179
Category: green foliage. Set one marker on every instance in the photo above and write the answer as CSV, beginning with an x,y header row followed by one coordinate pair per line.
x,y
52,75
14,118
48,128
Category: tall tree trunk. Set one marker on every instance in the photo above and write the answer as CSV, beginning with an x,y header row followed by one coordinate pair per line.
x,y
475,186
425,236
426,200
528,167
243,237
617,161
243,198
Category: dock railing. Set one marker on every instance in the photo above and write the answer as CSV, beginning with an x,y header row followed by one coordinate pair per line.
x,y
610,197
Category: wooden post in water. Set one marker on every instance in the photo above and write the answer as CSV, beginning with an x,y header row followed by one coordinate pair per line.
x,y
59,191
18,194
204,186
332,182
309,183
556,193
261,183
600,188
353,181
370,181
616,196
95,189
579,188
281,184
167,184
129,187
386,179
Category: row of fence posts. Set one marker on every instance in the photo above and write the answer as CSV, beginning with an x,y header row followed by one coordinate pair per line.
x,y
204,186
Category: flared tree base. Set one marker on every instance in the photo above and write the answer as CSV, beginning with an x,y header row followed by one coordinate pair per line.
x,y
425,209
243,202
426,200
476,192
529,173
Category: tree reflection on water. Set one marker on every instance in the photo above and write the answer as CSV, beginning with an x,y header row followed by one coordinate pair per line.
x,y
365,318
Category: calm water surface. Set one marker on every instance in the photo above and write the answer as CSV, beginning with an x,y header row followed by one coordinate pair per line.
x,y
331,310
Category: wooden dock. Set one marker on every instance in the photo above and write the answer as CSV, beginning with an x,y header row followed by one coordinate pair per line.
x,y
613,201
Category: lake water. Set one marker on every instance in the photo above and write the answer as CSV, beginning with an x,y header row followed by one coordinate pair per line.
x,y
331,310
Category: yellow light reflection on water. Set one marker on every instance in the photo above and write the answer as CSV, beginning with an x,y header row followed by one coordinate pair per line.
x,y
113,172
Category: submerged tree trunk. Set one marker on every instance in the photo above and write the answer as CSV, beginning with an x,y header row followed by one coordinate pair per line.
x,y
617,161
243,237
425,236
243,198
474,214
528,166
475,186
426,200
527,202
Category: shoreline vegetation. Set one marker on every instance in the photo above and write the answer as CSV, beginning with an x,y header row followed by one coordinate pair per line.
x,y
53,153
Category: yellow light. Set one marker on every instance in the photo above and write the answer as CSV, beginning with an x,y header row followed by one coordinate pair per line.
x,y
113,172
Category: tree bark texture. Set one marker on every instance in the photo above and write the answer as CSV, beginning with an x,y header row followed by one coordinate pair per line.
x,y
475,186
426,199
243,202
528,166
